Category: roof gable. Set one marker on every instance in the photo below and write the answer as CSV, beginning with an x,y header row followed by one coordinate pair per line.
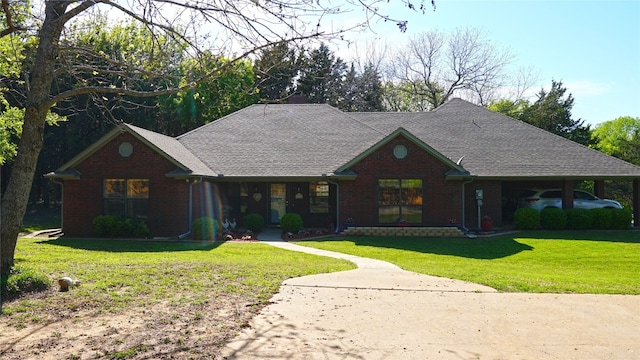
x,y
401,132
166,146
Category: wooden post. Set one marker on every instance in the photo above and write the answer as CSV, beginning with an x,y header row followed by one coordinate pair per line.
x,y
636,203
567,194
598,188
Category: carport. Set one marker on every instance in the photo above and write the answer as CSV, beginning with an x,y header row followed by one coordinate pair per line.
x,y
512,189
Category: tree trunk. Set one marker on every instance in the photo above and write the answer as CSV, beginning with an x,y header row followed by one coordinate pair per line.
x,y
16,197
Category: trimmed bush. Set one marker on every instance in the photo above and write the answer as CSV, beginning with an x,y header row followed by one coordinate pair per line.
x,y
254,222
602,218
526,219
579,219
24,280
553,219
621,219
116,226
291,222
205,228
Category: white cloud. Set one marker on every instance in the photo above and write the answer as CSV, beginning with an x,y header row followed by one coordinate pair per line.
x,y
587,88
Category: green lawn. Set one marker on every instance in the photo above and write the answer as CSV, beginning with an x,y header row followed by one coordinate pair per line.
x,y
118,273
606,262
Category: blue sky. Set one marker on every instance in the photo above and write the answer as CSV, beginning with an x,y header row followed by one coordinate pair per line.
x,y
592,46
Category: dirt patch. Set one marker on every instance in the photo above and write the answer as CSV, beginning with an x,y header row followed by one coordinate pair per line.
x,y
158,331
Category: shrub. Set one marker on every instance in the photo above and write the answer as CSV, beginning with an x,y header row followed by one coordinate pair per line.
x,y
104,224
579,219
291,222
254,222
526,219
602,218
109,225
205,228
141,230
553,219
23,280
621,219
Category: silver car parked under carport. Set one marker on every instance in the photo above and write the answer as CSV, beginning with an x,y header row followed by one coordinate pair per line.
x,y
545,198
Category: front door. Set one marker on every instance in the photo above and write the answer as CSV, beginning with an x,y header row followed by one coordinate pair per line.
x,y
277,203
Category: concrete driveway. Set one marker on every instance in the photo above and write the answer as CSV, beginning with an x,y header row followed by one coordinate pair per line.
x,y
379,311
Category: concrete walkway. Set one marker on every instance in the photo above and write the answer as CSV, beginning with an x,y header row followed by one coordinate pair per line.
x,y
379,311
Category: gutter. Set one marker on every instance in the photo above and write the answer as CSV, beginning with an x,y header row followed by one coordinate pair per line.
x,y
58,182
464,228
337,205
190,216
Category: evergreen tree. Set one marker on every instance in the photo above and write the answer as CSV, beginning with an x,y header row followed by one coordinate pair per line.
x,y
370,89
321,76
276,68
362,92
552,112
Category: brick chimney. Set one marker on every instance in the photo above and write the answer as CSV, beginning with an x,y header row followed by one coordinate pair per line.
x,y
297,99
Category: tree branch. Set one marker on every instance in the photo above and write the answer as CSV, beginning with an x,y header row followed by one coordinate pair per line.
x,y
11,27
145,94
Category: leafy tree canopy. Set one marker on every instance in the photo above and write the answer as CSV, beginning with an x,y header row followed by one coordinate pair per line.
x,y
611,136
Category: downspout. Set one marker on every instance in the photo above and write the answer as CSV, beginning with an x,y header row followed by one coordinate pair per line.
x,y
337,205
464,228
57,182
190,216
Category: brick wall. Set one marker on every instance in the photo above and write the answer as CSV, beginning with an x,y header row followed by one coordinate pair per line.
x,y
441,198
491,204
168,198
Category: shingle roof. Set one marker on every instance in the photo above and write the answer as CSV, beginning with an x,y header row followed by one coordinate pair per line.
x,y
173,150
495,145
303,140
310,140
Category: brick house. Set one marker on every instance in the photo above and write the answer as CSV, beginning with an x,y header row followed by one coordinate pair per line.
x,y
328,166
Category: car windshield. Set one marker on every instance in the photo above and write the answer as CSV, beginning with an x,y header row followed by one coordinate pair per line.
x,y
552,194
583,195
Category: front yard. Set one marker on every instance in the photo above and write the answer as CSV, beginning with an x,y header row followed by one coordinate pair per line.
x,y
142,300
596,262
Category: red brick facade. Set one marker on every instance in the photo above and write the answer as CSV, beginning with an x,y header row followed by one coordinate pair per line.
x,y
442,199
168,214
168,198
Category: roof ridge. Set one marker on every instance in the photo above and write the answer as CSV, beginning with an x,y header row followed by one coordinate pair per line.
x,y
364,123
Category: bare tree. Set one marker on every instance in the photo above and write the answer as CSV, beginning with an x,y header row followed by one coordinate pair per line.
x,y
239,27
522,80
434,66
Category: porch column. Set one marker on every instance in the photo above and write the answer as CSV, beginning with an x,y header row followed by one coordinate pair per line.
x,y
598,188
636,203
567,194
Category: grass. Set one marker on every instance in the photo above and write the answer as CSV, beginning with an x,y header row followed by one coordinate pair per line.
x,y
39,218
596,262
117,274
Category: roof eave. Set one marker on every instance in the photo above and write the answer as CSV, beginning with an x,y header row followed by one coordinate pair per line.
x,y
543,177
268,178
70,174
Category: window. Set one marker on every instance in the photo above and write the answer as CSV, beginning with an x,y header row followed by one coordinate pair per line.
x,y
319,197
244,197
399,199
126,197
